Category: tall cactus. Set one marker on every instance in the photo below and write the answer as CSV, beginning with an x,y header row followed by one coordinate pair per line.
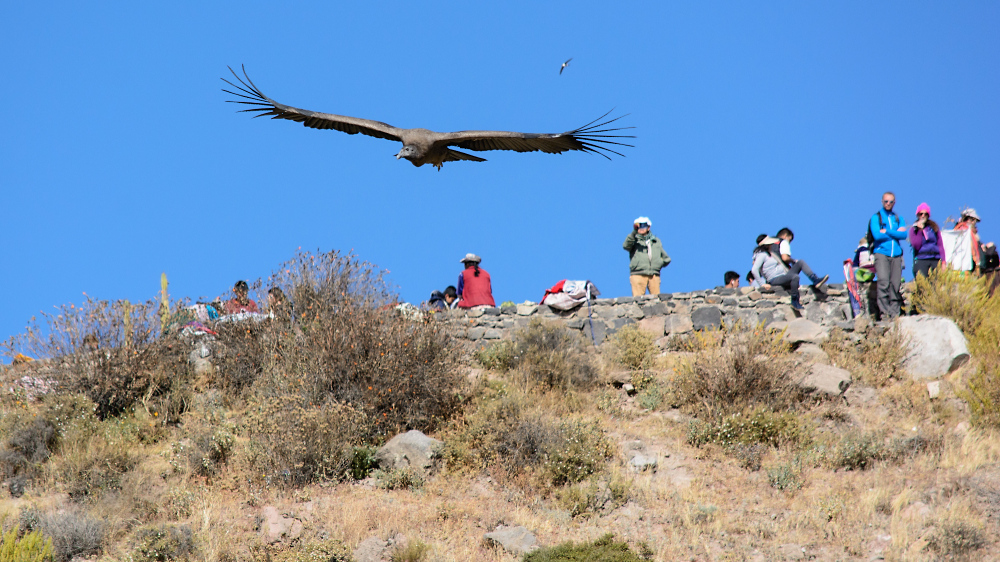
x,y
164,303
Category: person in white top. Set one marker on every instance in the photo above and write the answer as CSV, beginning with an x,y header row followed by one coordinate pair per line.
x,y
785,249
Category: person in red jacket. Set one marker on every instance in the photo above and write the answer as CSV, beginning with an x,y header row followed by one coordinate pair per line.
x,y
474,284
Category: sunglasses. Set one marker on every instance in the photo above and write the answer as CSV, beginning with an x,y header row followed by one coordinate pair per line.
x,y
923,214
643,225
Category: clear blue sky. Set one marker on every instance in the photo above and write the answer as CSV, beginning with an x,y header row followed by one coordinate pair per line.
x,y
120,160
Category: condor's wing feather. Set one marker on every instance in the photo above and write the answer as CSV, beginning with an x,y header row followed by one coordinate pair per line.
x,y
593,137
264,105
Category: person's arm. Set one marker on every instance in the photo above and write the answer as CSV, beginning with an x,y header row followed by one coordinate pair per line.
x,y
461,284
879,233
917,238
898,233
785,249
758,262
630,241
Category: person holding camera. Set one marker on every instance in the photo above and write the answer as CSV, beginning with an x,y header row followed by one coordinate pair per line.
x,y
646,258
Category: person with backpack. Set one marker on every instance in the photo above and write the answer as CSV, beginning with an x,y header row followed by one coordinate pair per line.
x,y
925,239
886,232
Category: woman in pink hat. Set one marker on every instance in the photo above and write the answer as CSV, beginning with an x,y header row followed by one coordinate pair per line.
x,y
925,238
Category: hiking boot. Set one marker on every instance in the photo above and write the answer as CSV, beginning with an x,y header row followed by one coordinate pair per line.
x,y
819,282
796,304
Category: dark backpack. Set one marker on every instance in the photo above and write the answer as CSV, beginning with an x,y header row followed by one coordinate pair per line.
x,y
989,260
869,237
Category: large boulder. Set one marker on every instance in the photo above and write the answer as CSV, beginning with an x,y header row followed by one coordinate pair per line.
x,y
826,379
278,527
677,324
802,330
411,450
936,346
516,540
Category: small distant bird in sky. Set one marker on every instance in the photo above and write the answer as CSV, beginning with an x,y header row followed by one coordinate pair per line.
x,y
564,65
421,146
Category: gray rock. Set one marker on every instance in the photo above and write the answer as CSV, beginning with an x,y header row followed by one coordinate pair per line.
x,y
766,317
374,549
278,527
803,330
492,311
846,325
475,333
526,309
641,462
730,301
706,317
607,312
826,379
725,291
682,296
936,346
629,389
576,323
493,334
516,540
677,324
656,308
509,309
412,450
475,312
766,304
632,310
813,353
665,296
713,299
597,330
652,325
619,323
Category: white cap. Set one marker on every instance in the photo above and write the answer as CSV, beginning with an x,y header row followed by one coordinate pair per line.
x,y
640,220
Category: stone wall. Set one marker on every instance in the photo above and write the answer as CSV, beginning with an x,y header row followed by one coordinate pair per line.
x,y
664,315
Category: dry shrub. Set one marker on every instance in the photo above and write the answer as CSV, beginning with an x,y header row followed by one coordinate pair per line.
x,y
956,538
292,442
94,455
329,550
875,360
604,548
163,543
501,436
25,450
498,356
749,368
554,356
73,533
348,344
633,347
106,350
965,298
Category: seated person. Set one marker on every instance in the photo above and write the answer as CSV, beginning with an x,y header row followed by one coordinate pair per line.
x,y
444,301
732,280
278,305
785,249
768,269
241,302
474,284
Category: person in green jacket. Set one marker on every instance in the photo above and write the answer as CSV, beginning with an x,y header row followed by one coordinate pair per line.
x,y
646,258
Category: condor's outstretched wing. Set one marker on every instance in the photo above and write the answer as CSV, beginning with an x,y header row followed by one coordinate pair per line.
x,y
592,137
264,106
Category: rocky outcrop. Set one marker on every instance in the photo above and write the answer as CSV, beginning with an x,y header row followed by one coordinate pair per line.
x,y
515,540
826,380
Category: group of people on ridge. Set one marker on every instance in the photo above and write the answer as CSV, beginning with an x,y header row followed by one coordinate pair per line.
x,y
474,288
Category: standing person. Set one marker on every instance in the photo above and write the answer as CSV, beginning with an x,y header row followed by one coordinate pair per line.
x,y
732,280
925,239
474,284
970,222
887,230
646,258
241,301
785,249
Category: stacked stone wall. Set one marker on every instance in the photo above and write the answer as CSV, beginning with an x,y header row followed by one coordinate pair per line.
x,y
664,315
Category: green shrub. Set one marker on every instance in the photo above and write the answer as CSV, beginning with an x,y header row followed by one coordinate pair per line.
x,y
580,452
786,477
752,369
397,479
961,296
295,443
858,451
163,543
329,550
592,496
763,426
604,549
31,547
363,462
633,347
956,538
498,356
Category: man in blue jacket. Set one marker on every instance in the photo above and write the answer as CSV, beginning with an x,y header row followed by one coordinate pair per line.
x,y
888,231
